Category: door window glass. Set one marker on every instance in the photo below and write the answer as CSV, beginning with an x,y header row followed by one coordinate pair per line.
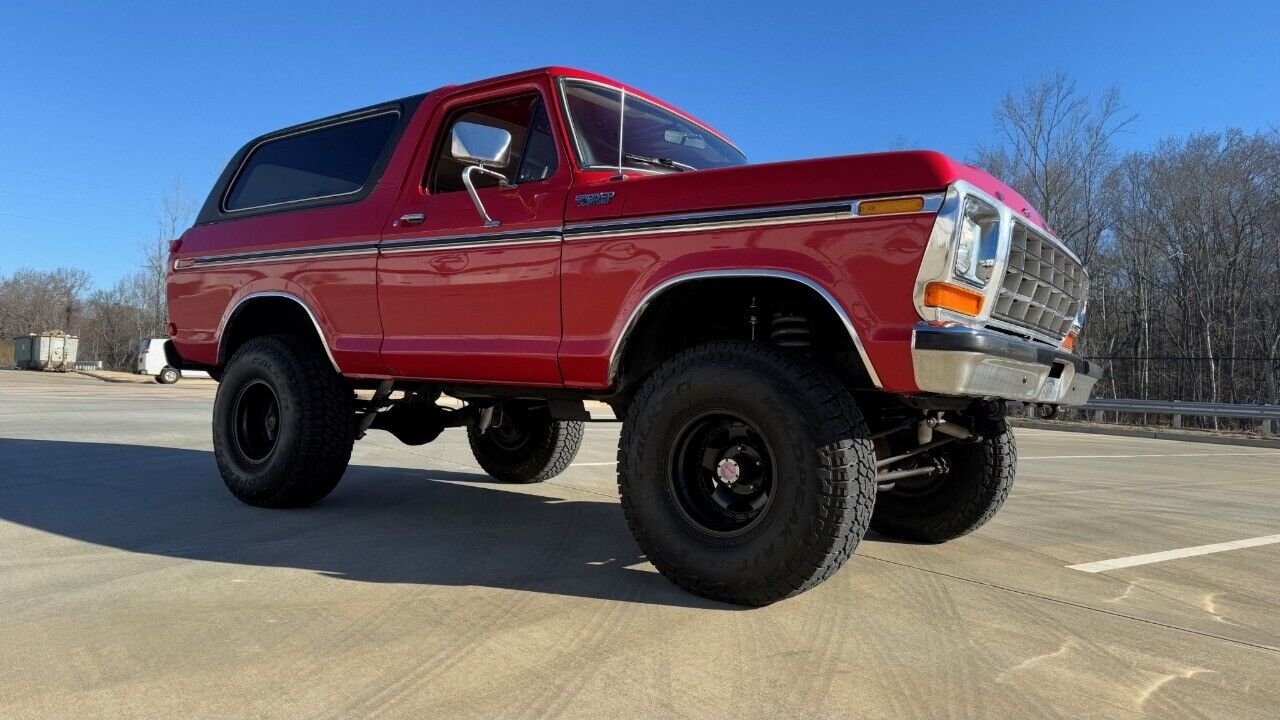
x,y
533,148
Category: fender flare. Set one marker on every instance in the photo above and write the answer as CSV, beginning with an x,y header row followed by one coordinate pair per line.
x,y
615,356
235,309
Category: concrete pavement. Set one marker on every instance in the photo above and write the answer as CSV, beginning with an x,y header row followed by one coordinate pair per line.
x,y
133,585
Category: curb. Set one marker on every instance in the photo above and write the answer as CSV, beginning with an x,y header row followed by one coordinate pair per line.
x,y
1145,433
105,378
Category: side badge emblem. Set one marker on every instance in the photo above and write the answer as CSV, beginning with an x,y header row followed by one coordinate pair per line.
x,y
600,198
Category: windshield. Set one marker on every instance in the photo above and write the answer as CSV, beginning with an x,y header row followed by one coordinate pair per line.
x,y
654,139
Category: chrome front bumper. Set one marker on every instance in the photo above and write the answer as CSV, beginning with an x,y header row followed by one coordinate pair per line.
x,y
985,363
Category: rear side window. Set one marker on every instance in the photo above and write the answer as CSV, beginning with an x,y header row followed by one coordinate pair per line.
x,y
320,163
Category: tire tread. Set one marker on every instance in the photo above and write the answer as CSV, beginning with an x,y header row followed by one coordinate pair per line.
x,y
981,496
326,427
846,466
556,446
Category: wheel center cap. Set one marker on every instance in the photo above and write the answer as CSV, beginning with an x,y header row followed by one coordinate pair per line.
x,y
728,472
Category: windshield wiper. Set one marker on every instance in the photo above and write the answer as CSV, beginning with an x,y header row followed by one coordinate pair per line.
x,y
660,162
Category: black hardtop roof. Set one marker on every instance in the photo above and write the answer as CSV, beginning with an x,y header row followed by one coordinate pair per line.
x,y
212,210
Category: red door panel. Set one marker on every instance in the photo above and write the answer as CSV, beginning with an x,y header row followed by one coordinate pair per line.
x,y
464,303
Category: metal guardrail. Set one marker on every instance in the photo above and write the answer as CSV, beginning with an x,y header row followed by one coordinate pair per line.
x,y
1268,414
1201,409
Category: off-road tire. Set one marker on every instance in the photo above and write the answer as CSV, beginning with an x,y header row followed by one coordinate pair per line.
x,y
824,486
315,423
546,447
980,478
168,376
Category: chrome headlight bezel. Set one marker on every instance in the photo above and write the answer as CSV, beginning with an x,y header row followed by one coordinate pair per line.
x,y
944,261
1084,306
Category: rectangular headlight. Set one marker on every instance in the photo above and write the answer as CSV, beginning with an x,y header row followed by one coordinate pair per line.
x,y
976,243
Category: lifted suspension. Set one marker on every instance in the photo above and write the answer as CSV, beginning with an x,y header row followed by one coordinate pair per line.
x,y
925,428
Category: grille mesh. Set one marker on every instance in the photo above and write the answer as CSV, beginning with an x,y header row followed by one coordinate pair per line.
x,y
1043,286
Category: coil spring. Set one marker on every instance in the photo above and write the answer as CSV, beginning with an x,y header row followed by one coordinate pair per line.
x,y
787,329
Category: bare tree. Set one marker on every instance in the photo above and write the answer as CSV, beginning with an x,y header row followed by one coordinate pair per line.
x,y
38,301
173,216
1055,148
1179,240
1193,224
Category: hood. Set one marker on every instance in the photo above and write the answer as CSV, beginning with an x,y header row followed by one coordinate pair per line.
x,y
1002,192
799,181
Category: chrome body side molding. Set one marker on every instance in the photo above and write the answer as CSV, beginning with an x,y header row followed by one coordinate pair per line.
x,y
649,225
739,218
465,242
318,252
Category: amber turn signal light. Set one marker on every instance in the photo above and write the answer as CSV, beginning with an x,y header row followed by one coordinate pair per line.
x,y
891,207
953,297
1069,343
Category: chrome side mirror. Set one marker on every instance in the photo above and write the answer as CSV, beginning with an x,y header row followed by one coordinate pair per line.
x,y
482,145
485,147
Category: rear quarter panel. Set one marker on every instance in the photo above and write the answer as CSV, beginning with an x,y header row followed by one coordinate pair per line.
x,y
340,291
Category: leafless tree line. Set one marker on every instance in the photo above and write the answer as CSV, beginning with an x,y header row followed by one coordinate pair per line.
x,y
110,322
1182,241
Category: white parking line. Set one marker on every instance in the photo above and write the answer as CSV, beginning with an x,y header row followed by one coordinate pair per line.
x,y
1145,455
1132,560
599,464
1142,487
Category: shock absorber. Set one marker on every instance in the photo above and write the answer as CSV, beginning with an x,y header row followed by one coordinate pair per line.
x,y
790,329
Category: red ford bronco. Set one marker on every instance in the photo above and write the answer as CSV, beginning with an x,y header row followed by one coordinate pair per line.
x,y
798,351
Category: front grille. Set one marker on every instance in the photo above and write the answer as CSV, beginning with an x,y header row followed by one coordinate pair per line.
x,y
1043,286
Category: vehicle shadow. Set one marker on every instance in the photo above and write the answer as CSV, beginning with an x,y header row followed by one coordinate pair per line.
x,y
873,536
382,524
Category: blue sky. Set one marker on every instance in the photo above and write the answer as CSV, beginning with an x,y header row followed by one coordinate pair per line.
x,y
104,104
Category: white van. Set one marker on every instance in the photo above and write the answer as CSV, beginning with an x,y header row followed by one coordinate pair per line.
x,y
152,361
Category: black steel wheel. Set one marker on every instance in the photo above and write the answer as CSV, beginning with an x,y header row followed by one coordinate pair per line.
x,y
168,376
524,445
722,473
255,424
512,434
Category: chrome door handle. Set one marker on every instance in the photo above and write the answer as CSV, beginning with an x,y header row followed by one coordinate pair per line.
x,y
410,219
